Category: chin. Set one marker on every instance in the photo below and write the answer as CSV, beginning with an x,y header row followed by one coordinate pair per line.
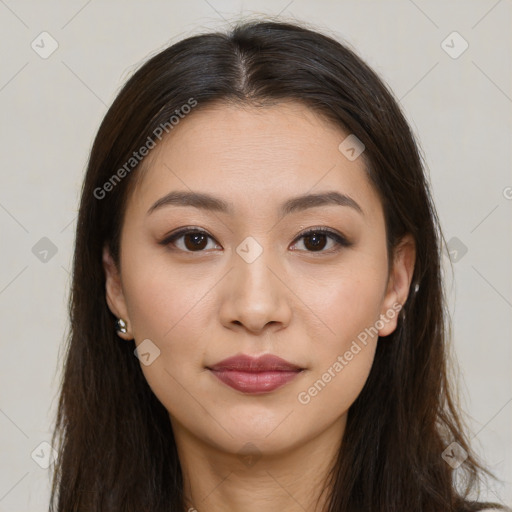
x,y
264,433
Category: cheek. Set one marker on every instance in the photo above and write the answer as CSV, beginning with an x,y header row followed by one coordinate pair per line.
x,y
346,300
349,306
330,393
342,361
160,299
172,312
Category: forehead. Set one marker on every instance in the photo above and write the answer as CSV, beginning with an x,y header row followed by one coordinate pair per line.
x,y
254,157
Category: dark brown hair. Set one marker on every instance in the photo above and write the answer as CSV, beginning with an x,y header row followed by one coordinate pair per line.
x,y
116,445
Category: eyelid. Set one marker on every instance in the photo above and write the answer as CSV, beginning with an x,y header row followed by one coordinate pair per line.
x,y
336,236
340,239
168,239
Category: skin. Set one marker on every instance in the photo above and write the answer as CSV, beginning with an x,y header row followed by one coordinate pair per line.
x,y
304,305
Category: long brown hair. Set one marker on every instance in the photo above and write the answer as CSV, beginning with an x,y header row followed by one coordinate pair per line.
x,y
115,442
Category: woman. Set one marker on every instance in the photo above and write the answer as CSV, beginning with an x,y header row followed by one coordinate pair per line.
x,y
256,224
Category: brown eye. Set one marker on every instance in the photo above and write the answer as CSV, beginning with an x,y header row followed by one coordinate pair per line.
x,y
195,241
316,240
188,240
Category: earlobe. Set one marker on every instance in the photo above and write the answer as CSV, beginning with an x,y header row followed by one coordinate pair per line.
x,y
114,293
399,283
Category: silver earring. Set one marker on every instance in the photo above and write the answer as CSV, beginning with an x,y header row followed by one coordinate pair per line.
x,y
121,326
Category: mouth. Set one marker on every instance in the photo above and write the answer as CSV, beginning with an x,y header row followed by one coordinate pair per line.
x,y
255,375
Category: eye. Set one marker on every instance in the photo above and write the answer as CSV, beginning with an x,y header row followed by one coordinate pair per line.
x,y
316,239
188,240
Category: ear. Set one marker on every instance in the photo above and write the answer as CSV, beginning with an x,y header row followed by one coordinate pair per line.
x,y
114,292
399,283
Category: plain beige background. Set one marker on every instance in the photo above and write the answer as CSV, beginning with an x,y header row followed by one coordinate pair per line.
x,y
457,99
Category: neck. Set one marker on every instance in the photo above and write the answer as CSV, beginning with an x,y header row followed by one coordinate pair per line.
x,y
251,480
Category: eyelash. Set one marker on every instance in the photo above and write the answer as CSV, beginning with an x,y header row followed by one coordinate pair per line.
x,y
339,239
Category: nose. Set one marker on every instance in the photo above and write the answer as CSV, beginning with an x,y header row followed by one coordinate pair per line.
x,y
254,296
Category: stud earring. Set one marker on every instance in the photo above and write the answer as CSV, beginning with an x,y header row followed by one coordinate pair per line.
x,y
121,326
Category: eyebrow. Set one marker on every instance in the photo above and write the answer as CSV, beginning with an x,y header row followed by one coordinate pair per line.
x,y
208,202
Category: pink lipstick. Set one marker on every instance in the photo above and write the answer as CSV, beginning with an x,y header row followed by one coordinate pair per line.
x,y
255,374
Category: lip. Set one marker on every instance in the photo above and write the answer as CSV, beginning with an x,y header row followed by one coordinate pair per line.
x,y
255,375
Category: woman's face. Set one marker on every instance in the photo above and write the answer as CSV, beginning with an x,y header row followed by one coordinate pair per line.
x,y
246,281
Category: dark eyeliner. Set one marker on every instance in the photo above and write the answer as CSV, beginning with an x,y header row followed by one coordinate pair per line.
x,y
183,231
338,238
